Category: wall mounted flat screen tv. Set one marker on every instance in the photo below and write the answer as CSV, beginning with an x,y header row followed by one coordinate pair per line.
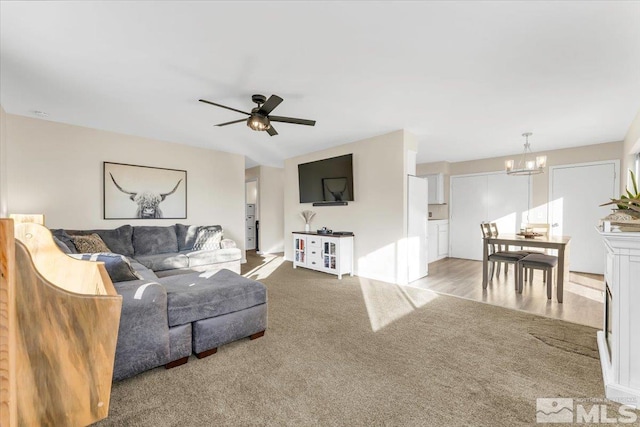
x,y
327,180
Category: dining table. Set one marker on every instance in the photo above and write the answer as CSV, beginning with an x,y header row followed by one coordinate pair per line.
x,y
559,243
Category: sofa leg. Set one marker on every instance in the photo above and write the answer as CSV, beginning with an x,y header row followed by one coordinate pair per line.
x,y
177,362
256,335
206,353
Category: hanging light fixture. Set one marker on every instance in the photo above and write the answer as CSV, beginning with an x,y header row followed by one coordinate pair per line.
x,y
528,165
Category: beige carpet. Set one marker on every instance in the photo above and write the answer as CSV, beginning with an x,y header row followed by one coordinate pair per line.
x,y
432,360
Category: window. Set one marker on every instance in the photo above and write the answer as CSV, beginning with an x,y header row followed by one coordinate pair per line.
x,y
637,167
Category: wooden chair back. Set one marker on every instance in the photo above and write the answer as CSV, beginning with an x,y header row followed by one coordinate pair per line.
x,y
58,330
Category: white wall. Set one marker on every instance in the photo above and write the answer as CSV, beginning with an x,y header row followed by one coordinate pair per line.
x,y
378,214
56,169
631,146
3,163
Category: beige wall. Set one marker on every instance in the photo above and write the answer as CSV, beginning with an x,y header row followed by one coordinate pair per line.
x,y
631,147
3,163
540,186
56,169
378,214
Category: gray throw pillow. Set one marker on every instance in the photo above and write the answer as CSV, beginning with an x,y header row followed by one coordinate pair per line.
x,y
64,248
118,266
187,235
65,238
208,238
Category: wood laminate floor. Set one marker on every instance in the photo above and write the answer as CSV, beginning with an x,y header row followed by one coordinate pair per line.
x,y
583,295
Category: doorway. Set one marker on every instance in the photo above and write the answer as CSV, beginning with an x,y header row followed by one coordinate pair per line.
x,y
575,195
251,215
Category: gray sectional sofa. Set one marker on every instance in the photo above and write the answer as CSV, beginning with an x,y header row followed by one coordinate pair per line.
x,y
199,304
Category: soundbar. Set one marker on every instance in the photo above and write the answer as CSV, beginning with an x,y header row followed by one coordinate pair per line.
x,y
330,203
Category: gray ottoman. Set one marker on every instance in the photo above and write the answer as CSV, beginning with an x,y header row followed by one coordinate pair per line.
x,y
221,308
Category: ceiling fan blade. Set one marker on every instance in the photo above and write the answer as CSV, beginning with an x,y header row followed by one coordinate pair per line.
x,y
272,131
272,102
230,123
292,120
223,106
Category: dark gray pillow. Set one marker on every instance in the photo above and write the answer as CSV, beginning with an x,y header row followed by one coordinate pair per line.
x,y
208,238
64,238
118,266
64,248
119,240
186,236
149,240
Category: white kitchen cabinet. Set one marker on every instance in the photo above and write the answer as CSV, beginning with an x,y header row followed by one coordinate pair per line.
x,y
331,254
436,188
438,239
250,226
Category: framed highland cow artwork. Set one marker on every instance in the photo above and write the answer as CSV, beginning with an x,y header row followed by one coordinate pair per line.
x,y
143,192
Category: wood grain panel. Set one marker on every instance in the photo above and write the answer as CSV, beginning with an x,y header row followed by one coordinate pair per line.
x,y
7,325
66,333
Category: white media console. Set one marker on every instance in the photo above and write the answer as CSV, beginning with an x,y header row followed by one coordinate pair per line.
x,y
619,341
328,253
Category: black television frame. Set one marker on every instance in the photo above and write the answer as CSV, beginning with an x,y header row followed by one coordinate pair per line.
x,y
323,180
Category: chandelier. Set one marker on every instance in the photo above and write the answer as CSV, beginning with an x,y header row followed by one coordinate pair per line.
x,y
527,165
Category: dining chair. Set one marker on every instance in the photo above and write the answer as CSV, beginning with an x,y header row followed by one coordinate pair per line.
x,y
499,256
546,263
545,230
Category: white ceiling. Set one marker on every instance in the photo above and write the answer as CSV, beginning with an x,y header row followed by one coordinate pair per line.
x,y
467,78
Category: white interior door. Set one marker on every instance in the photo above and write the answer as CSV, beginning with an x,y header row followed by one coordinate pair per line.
x,y
509,197
417,200
576,191
469,202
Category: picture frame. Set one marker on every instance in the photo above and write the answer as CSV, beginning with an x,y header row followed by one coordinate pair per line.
x,y
143,192
335,189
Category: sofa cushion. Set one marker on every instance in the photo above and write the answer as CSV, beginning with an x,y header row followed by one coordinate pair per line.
x,y
186,236
119,240
208,237
142,271
148,240
90,244
160,262
65,238
196,296
118,266
199,258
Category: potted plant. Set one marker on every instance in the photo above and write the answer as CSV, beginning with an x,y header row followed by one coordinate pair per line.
x,y
628,203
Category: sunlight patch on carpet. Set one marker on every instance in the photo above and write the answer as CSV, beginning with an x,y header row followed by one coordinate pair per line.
x,y
265,270
387,302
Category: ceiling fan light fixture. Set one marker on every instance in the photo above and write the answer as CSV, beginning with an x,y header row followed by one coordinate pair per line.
x,y
258,123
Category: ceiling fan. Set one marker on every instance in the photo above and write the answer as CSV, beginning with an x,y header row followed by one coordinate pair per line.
x,y
259,118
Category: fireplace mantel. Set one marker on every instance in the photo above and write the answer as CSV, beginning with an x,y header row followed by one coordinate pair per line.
x,y
620,359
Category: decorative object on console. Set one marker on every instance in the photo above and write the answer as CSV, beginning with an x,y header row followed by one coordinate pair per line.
x,y
526,165
307,216
324,230
628,203
147,187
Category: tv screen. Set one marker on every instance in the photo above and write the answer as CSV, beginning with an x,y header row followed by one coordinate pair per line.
x,y
328,180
